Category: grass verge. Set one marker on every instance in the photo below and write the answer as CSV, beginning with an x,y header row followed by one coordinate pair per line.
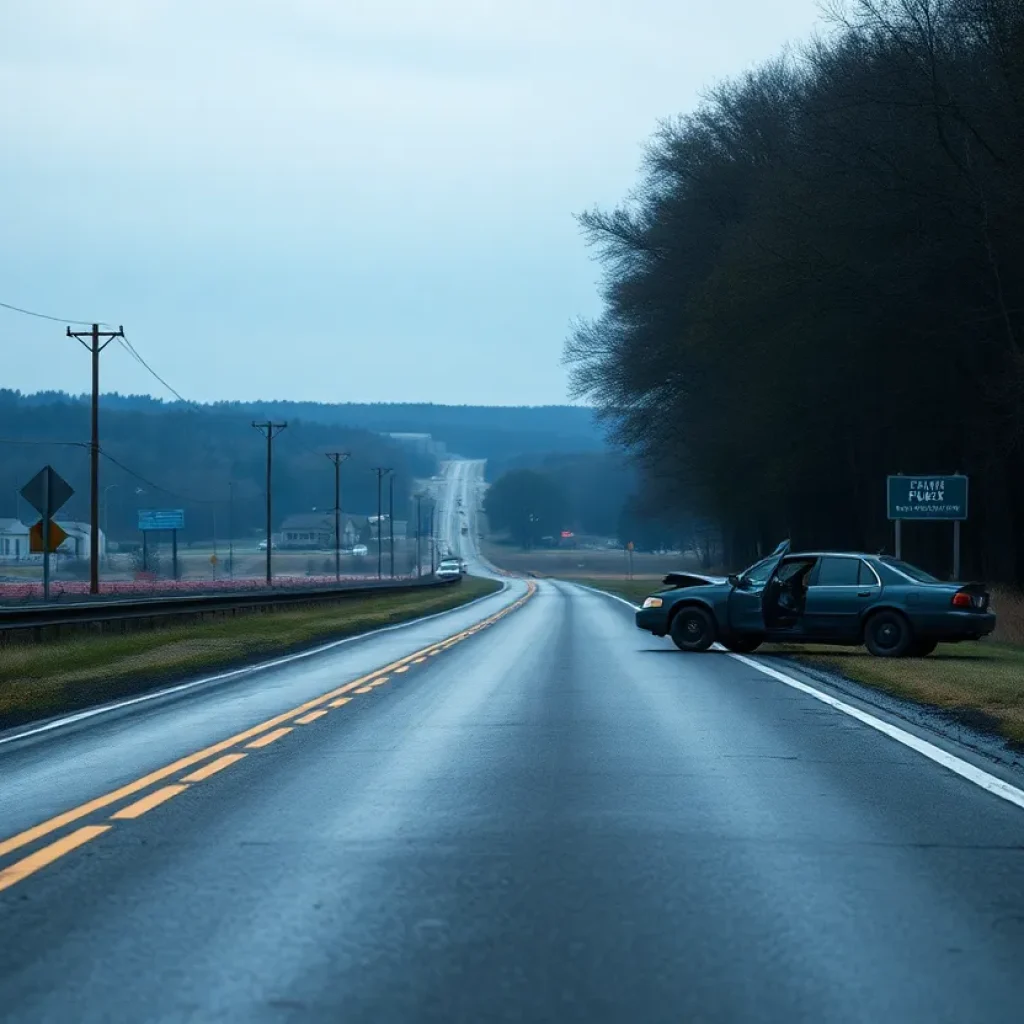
x,y
979,684
39,680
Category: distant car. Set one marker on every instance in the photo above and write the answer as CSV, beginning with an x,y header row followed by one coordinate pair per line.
x,y
262,546
892,608
448,568
360,549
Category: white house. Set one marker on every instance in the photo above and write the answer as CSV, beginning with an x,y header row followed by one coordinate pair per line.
x,y
315,530
77,544
13,540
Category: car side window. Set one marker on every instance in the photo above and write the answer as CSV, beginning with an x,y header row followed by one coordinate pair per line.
x,y
839,572
866,577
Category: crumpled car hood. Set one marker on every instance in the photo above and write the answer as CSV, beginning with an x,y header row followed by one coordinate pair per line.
x,y
691,579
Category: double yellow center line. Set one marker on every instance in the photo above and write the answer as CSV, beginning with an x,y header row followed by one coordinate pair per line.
x,y
254,738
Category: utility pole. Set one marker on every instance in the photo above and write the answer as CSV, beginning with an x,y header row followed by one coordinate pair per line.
x,y
391,519
270,430
94,347
337,458
380,471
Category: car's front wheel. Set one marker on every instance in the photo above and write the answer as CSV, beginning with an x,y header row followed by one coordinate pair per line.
x,y
741,644
887,635
693,629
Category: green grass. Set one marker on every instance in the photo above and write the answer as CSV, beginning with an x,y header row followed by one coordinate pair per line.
x,y
981,684
37,680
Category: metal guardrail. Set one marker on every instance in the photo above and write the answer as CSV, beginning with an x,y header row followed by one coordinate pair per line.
x,y
86,612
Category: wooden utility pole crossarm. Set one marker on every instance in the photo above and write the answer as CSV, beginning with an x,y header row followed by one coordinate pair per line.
x,y
91,340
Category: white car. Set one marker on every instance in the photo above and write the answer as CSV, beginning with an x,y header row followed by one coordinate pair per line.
x,y
360,549
448,569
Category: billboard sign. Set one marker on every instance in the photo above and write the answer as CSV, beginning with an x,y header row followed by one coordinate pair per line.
x,y
161,519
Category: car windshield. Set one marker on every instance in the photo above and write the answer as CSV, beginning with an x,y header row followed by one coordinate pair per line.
x,y
759,572
910,570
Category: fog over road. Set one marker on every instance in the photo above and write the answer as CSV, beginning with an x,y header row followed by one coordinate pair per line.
x,y
551,817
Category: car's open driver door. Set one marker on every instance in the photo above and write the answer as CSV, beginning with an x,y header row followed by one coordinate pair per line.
x,y
746,611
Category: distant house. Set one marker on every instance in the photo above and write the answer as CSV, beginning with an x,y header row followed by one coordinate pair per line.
x,y
13,540
401,528
423,444
77,544
310,531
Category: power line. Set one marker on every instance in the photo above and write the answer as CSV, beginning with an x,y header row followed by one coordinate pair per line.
x,y
68,444
158,487
131,350
46,316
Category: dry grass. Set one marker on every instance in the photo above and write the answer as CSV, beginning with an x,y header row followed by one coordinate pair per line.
x,y
981,684
45,679
1009,609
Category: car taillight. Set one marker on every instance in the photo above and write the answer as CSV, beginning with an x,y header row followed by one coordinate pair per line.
x,y
961,599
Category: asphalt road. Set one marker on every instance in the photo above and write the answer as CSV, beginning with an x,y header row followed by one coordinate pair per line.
x,y
552,818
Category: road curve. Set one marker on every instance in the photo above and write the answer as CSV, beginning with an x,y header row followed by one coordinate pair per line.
x,y
553,818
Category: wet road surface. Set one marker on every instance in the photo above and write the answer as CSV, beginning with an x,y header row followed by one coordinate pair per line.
x,y
554,818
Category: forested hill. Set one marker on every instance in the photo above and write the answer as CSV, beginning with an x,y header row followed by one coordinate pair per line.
x,y
210,462
474,431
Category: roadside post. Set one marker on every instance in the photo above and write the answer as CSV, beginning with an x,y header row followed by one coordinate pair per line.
x,y
46,492
629,558
941,498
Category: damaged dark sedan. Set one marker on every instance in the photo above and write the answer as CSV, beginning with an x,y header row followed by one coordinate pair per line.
x,y
891,607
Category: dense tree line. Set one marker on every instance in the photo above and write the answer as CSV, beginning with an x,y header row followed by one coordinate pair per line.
x,y
528,506
820,281
473,431
186,457
595,486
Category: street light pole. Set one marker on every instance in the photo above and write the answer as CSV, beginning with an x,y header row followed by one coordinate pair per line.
x,y
391,520
433,549
231,528
380,471
419,530
106,532
337,458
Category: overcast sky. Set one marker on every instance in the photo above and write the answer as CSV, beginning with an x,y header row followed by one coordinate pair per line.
x,y
330,199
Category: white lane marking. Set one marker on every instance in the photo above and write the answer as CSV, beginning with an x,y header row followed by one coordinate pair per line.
x,y
607,593
104,709
990,783
966,770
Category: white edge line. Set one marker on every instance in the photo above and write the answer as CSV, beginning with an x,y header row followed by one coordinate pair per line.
x,y
972,773
103,709
966,770
604,593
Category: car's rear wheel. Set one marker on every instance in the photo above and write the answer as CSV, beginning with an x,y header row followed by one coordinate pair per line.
x,y
741,644
887,635
693,629
922,648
